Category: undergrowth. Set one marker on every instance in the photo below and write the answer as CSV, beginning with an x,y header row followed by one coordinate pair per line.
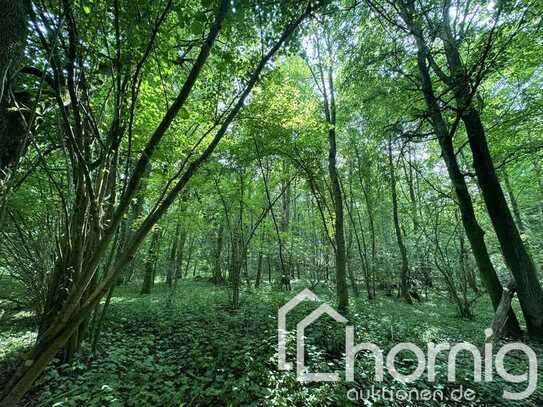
x,y
189,348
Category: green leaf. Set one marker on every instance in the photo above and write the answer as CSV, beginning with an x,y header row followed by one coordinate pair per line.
x,y
196,27
86,9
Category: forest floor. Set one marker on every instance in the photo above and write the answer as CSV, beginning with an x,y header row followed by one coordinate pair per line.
x,y
188,348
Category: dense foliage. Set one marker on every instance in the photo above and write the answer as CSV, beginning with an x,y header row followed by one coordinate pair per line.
x,y
386,154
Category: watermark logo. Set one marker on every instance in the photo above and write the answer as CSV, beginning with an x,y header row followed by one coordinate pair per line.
x,y
483,362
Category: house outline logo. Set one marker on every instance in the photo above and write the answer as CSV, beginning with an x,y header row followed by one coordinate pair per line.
x,y
282,333
425,360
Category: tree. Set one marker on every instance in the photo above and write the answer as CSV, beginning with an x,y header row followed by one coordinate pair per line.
x,y
82,299
323,74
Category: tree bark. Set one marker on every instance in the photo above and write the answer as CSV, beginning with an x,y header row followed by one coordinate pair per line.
x,y
172,258
539,176
365,185
217,256
514,202
150,262
464,265
258,278
404,271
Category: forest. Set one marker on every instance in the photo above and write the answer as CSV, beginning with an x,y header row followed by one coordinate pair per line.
x,y
177,175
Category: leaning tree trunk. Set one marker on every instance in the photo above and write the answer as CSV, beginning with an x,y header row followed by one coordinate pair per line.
x,y
473,230
475,233
514,251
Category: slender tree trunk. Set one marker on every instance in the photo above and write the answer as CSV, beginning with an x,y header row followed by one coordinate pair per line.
x,y
180,257
514,202
217,262
539,176
269,269
361,250
189,256
285,218
404,271
328,93
136,212
237,244
171,266
370,284
415,249
258,270
339,235
464,265
150,262
235,268
350,270
285,276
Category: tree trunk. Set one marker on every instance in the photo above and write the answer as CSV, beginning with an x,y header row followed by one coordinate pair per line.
x,y
514,203
258,270
235,268
464,265
370,211
513,249
539,176
328,94
150,262
217,256
404,271
180,256
172,263
285,218
284,281
502,312
350,270
134,216
475,233
473,230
